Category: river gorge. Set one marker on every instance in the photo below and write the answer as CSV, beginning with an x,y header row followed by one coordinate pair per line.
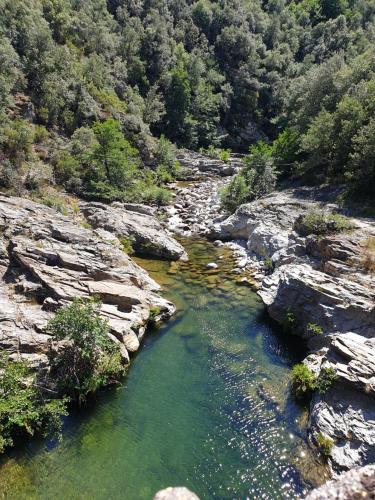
x,y
206,404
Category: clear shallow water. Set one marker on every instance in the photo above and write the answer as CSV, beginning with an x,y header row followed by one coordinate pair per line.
x,y
205,404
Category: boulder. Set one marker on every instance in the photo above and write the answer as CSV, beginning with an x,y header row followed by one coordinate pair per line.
x,y
355,484
334,304
143,231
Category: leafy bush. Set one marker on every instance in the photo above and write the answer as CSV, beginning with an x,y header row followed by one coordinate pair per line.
x,y
326,378
268,264
217,153
325,443
154,313
86,358
314,329
257,179
41,134
321,222
25,407
235,194
53,199
304,380
165,157
127,245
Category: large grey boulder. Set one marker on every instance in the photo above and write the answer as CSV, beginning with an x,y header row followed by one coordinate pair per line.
x,y
145,233
334,304
353,485
46,261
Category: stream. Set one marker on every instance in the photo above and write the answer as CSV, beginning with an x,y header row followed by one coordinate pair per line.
x,y
206,404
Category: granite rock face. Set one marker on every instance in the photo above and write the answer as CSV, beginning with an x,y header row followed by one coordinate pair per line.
x,y
320,288
355,484
136,224
47,260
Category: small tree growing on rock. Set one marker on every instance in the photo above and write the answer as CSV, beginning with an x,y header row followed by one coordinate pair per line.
x,y
25,407
86,358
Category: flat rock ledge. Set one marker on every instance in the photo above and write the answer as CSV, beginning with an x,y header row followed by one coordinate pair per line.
x,y
320,289
47,260
353,485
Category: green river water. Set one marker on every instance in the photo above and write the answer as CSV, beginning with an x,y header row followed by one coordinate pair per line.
x,y
206,404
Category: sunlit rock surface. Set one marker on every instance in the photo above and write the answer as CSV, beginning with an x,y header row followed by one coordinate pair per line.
x,y
47,260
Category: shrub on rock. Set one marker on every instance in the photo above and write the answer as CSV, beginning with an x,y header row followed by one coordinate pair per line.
x,y
86,358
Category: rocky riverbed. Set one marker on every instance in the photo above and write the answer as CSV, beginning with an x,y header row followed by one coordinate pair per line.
x,y
320,283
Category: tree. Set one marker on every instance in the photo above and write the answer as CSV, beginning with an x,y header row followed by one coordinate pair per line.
x,y
85,358
25,406
178,99
113,161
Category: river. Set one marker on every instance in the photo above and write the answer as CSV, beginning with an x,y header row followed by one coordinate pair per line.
x,y
206,404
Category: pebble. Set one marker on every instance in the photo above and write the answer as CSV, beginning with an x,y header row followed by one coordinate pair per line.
x,y
212,265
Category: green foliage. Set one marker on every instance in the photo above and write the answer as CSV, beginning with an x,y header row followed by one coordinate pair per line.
x,y
324,443
235,194
326,378
314,329
206,74
257,179
167,164
54,200
25,407
154,313
304,380
88,359
113,160
267,261
320,223
127,245
290,321
218,153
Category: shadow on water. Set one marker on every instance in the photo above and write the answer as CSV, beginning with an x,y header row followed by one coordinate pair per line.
x,y
205,404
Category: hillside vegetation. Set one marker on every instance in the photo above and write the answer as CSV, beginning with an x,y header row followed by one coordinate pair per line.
x,y
87,88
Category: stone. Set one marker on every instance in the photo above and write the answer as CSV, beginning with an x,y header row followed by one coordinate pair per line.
x,y
145,233
179,493
212,265
353,485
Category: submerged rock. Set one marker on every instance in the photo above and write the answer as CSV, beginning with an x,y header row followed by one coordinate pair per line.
x,y
47,260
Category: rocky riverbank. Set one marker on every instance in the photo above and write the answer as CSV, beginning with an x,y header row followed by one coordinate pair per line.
x,y
48,259
321,285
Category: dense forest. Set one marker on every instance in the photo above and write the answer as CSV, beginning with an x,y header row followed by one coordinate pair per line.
x,y
93,93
